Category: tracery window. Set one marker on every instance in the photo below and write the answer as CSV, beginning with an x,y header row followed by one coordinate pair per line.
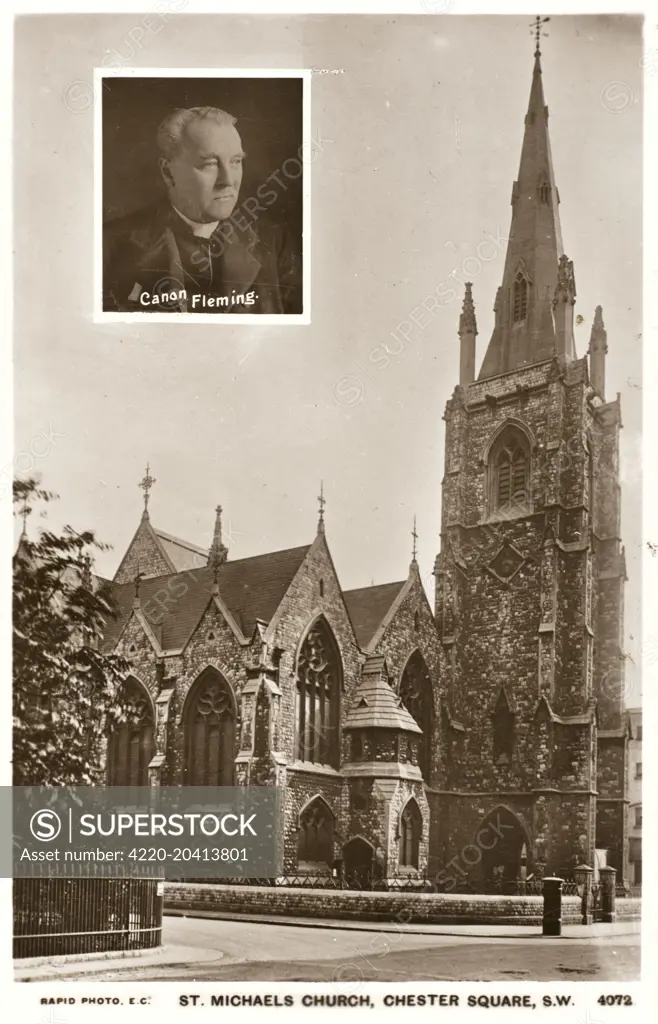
x,y
520,298
317,698
416,695
130,744
411,827
315,838
210,732
509,465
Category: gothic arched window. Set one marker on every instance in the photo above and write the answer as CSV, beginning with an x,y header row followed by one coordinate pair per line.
x,y
315,838
210,732
411,827
520,299
416,695
317,698
130,743
509,464
544,192
503,730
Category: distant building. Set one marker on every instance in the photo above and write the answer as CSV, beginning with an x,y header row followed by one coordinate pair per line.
x,y
635,796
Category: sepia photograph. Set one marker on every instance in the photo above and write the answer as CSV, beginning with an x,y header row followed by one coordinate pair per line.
x,y
387,563
224,235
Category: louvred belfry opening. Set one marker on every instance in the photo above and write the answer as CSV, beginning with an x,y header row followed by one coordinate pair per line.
x,y
509,469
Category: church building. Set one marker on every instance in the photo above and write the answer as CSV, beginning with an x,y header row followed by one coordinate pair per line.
x,y
404,737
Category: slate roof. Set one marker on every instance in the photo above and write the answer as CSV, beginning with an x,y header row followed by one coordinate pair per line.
x,y
251,588
368,606
183,555
376,704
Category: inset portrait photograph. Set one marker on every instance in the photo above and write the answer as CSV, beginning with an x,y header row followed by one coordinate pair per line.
x,y
201,195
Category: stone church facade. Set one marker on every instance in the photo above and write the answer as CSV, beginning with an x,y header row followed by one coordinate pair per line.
x,y
403,737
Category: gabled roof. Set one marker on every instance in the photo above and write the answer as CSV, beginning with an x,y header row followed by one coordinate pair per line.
x,y
251,588
145,555
368,606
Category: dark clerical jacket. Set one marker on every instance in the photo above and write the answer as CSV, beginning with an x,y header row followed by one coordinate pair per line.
x,y
154,263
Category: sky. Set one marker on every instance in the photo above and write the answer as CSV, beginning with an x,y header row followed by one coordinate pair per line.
x,y
422,125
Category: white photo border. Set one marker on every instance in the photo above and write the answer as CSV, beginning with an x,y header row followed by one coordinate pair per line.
x,y
100,316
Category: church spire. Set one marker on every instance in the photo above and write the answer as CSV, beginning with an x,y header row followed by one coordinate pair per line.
x,y
525,330
218,553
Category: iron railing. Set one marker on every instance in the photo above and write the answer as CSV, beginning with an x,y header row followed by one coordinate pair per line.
x,y
416,883
55,916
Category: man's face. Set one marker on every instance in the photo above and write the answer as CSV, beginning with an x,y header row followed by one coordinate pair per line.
x,y
204,176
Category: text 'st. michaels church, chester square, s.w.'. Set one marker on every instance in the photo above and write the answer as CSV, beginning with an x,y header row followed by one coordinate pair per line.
x,y
400,735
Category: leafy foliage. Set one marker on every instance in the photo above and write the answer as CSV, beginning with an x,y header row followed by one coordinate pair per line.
x,y
66,691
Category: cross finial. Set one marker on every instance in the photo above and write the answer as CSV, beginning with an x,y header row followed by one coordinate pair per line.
x,y
218,553
322,503
146,484
414,535
535,28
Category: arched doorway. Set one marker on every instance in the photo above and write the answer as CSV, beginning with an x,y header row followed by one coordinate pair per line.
x,y
503,841
358,863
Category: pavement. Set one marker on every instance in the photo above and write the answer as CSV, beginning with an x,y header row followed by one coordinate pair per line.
x,y
207,944
487,931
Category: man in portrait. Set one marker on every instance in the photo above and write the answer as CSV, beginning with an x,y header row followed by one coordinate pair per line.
x,y
196,251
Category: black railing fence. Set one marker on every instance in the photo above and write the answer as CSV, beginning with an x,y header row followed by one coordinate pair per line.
x,y
416,883
54,916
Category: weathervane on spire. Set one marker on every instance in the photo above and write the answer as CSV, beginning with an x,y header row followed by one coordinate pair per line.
x,y
414,534
322,503
535,27
146,484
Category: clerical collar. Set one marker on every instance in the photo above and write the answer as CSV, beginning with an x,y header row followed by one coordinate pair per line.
x,y
203,230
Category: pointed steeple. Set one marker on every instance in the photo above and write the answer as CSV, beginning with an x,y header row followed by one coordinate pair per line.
x,y
598,347
468,330
218,553
525,331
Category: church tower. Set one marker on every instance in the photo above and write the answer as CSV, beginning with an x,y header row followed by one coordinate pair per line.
x,y
529,597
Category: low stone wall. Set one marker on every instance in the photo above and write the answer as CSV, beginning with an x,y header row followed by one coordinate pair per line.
x,y
405,908
628,909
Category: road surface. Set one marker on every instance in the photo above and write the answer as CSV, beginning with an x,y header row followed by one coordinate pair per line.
x,y
249,951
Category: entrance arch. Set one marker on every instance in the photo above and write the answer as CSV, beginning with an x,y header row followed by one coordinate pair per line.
x,y
358,863
503,841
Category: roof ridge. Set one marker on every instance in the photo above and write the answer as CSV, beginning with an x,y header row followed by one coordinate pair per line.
x,y
202,568
375,586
